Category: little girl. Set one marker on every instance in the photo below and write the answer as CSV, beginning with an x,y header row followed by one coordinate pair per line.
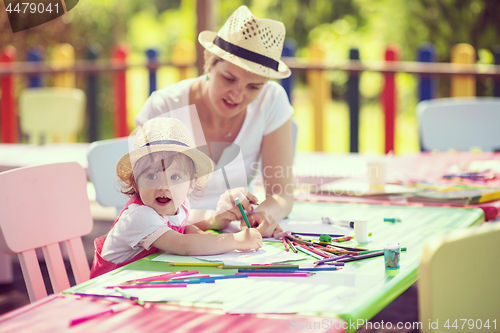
x,y
158,174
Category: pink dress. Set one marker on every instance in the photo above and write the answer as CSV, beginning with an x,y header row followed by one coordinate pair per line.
x,y
101,265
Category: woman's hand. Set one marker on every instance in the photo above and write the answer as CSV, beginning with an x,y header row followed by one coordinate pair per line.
x,y
264,223
228,211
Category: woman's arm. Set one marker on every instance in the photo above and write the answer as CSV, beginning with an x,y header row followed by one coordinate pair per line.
x,y
277,173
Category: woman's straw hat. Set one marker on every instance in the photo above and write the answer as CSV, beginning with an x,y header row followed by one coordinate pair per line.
x,y
250,43
165,135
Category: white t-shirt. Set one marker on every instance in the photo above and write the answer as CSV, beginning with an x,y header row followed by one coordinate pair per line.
x,y
264,115
138,227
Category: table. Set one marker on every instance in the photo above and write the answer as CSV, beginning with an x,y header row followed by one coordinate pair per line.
x,y
53,314
364,287
19,155
320,168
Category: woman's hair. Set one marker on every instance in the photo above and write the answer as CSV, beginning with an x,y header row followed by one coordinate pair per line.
x,y
211,61
128,182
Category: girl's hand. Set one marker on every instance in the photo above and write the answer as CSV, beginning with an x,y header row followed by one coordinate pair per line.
x,y
228,211
248,239
264,223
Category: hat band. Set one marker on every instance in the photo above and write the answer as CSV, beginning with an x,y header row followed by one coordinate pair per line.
x,y
165,142
246,54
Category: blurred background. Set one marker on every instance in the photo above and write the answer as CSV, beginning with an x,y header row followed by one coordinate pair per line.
x,y
331,31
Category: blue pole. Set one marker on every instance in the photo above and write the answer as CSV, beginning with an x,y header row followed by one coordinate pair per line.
x,y
496,84
353,102
427,84
152,55
92,89
289,48
35,54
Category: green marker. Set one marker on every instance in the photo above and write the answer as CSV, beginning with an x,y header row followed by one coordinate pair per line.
x,y
243,213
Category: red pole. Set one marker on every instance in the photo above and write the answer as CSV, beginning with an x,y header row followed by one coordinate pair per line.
x,y
389,99
8,115
119,57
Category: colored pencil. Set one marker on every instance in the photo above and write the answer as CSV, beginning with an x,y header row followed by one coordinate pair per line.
x,y
113,309
161,276
124,294
263,274
289,270
291,245
202,264
330,259
314,255
362,256
315,235
283,239
150,285
254,266
243,213
314,251
342,239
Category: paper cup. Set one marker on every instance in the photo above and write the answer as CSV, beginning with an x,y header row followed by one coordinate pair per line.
x,y
361,231
392,254
377,170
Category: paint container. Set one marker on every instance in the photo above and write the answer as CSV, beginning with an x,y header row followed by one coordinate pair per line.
x,y
392,254
361,231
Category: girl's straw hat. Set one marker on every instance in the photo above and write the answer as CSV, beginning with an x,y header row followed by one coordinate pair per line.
x,y
250,43
165,135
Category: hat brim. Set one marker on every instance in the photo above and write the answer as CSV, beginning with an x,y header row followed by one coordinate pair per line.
x,y
203,164
206,39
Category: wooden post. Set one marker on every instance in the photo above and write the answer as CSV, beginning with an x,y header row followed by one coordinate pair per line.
x,y
389,99
119,57
183,55
152,55
92,91
35,54
316,80
496,84
427,84
353,102
204,21
463,85
8,116
64,56
289,48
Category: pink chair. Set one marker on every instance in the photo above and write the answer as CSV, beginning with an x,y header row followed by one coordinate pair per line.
x,y
40,207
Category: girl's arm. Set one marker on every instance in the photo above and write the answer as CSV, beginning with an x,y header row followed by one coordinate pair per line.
x,y
207,244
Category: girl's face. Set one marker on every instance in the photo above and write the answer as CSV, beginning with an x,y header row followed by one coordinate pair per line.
x,y
164,191
232,88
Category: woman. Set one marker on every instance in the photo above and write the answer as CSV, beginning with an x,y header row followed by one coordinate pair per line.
x,y
236,103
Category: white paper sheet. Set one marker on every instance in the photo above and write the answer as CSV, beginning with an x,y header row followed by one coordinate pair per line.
x,y
267,254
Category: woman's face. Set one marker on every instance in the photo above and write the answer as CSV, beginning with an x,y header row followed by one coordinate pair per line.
x,y
232,88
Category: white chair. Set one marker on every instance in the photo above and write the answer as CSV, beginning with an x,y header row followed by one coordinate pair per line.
x,y
459,123
102,157
459,279
40,207
57,114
